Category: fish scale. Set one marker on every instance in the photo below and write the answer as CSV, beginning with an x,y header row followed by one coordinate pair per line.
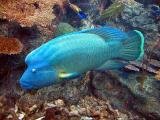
x,y
80,50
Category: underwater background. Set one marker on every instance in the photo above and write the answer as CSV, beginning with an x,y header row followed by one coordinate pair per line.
x,y
131,93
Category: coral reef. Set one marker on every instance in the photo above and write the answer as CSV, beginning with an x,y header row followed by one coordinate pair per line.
x,y
148,2
129,93
28,13
10,46
87,108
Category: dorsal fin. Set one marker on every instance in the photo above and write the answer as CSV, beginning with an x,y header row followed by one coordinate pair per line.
x,y
107,33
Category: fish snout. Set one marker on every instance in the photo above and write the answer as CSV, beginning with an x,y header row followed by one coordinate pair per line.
x,y
24,84
37,79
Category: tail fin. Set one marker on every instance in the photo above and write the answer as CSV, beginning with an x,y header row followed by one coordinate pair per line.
x,y
133,46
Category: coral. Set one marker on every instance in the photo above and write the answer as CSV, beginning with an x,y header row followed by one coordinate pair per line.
x,y
113,11
29,109
29,12
56,114
98,109
10,46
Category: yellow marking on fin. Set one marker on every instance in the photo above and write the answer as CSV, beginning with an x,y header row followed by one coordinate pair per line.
x,y
63,74
75,8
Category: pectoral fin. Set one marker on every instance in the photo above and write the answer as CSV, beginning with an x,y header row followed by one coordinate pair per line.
x,y
65,75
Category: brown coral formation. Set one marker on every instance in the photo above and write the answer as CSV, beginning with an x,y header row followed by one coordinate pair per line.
x,y
10,46
29,12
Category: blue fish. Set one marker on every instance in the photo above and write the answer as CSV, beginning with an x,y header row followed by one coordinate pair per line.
x,y
73,54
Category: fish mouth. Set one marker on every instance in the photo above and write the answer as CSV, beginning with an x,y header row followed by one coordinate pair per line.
x,y
25,85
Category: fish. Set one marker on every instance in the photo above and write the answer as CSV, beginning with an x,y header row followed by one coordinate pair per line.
x,y
71,55
78,11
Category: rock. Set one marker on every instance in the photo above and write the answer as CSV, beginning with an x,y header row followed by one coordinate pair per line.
x,y
59,102
71,91
138,17
156,55
56,114
50,105
21,116
74,111
63,28
151,27
126,93
86,118
157,77
33,108
155,63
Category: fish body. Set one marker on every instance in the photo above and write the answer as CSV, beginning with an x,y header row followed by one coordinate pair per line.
x,y
70,55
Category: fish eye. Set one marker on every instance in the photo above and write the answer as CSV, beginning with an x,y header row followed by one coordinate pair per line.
x,y
33,70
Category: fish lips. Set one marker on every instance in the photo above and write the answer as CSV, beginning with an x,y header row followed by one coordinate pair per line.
x,y
39,79
24,84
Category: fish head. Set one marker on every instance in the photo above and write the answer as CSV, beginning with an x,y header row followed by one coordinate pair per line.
x,y
38,76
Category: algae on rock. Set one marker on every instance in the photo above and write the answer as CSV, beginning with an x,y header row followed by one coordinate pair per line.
x,y
113,11
63,28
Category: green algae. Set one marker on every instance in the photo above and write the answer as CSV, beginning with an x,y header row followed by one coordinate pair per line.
x,y
64,28
113,11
